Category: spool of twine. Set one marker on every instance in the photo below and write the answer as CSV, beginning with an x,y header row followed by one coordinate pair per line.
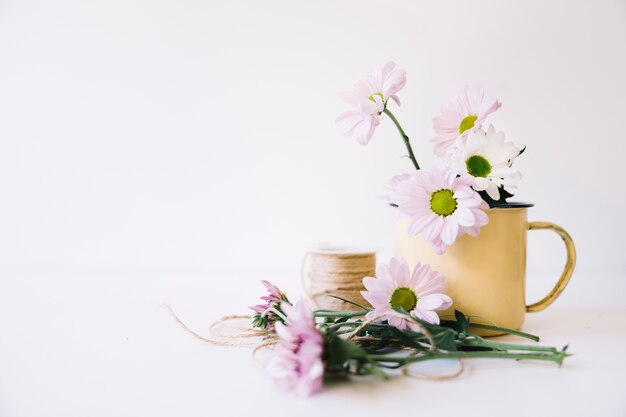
x,y
337,271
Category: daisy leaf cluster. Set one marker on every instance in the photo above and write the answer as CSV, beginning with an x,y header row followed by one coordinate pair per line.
x,y
270,309
476,171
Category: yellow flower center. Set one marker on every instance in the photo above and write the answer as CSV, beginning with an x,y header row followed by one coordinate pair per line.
x,y
403,297
478,166
467,123
443,203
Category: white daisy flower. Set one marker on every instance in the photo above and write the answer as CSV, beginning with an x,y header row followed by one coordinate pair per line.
x,y
486,159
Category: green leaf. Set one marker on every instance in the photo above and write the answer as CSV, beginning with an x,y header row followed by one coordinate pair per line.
x,y
342,355
339,350
444,337
259,321
462,321
342,320
505,330
462,324
504,194
371,368
408,339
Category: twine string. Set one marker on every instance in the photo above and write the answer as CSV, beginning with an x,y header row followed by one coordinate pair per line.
x,y
265,336
336,273
241,332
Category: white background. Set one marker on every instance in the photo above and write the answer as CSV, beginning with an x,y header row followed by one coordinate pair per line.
x,y
142,141
199,134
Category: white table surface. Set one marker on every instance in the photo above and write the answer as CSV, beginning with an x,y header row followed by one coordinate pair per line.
x,y
87,343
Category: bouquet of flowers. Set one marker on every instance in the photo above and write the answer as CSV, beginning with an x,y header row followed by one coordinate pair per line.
x,y
399,328
476,169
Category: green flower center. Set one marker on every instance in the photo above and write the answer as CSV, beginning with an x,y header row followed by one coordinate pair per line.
x,y
403,297
442,202
478,166
467,123
371,98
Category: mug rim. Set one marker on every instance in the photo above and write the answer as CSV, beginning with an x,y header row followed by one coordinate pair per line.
x,y
511,205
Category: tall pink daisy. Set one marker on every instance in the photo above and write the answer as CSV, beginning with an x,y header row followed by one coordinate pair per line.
x,y
464,114
360,122
419,292
298,364
383,84
369,98
441,206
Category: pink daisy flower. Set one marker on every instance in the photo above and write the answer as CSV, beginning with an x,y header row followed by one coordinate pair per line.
x,y
393,186
265,314
360,122
384,83
442,207
418,292
396,180
463,115
369,98
298,364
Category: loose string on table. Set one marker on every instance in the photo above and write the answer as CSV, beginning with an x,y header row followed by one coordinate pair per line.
x,y
265,338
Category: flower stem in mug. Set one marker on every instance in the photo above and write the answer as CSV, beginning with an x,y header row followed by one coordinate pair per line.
x,y
405,138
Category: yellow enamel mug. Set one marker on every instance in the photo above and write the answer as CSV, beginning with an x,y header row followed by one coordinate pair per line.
x,y
486,275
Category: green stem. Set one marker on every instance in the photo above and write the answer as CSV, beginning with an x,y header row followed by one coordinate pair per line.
x,y
506,346
343,331
504,330
344,324
338,314
348,301
405,138
357,324
552,357
470,341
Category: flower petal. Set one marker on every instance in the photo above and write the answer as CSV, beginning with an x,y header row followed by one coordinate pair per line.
x,y
434,302
450,231
426,315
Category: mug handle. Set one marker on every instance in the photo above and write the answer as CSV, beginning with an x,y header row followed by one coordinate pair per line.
x,y
567,271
